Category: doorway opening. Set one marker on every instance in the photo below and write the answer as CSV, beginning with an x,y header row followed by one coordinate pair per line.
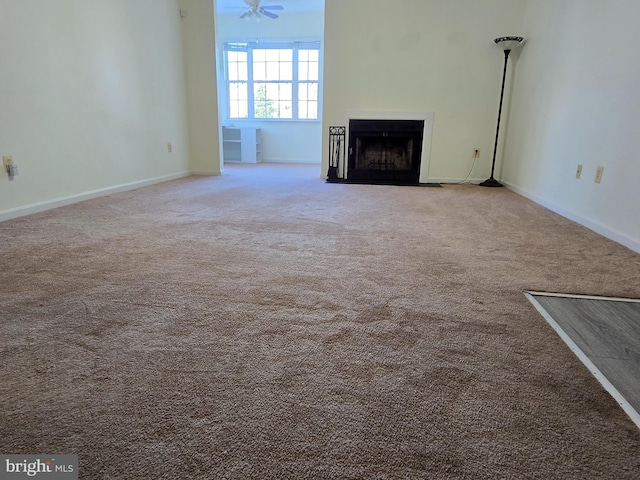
x,y
269,71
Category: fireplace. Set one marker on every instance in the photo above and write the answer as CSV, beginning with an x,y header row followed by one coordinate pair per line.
x,y
385,151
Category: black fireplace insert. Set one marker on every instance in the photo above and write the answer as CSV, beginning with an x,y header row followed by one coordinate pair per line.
x,y
385,151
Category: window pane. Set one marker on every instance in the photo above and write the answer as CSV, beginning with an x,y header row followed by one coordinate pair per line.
x,y
260,71
273,100
237,65
308,110
238,103
273,64
302,110
309,55
313,91
286,55
233,71
272,55
313,110
308,100
243,73
286,71
273,71
313,71
263,104
285,109
286,91
272,91
308,91
308,65
239,110
303,71
238,91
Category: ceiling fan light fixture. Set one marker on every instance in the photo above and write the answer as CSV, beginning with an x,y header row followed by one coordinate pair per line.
x,y
257,11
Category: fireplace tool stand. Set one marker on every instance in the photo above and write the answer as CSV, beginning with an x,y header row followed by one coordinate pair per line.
x,y
337,138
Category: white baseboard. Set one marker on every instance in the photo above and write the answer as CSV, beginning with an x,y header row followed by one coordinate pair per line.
x,y
457,181
597,227
62,201
292,162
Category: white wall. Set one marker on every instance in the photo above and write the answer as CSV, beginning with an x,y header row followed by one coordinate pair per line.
x,y
282,141
200,74
421,56
91,91
577,101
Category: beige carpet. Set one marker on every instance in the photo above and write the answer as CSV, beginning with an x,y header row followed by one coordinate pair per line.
x,y
265,324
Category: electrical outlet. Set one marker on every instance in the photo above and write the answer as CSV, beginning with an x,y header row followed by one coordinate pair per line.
x,y
476,153
169,147
599,172
579,171
6,160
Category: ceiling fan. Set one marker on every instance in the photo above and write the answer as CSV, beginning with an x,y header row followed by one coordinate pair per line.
x,y
256,10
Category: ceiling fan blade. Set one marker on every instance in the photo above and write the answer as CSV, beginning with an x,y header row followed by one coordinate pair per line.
x,y
244,15
267,13
273,7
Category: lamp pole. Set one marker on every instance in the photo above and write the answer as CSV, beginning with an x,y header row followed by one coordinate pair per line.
x,y
508,43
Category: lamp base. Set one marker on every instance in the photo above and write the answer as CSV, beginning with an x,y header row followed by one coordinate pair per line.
x,y
491,182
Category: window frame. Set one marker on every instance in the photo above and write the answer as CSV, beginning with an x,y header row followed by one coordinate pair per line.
x,y
249,46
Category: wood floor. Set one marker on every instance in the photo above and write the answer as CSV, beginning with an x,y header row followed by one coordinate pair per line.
x,y
605,334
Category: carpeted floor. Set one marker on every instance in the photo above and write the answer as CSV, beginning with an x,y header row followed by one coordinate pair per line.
x,y
268,325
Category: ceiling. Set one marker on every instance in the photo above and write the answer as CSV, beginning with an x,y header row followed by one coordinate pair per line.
x,y
232,7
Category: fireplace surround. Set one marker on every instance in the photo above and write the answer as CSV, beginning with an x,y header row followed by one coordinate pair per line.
x,y
383,147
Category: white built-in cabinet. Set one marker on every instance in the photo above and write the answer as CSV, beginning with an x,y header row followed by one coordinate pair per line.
x,y
242,144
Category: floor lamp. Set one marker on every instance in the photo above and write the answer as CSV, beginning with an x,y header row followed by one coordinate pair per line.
x,y
507,44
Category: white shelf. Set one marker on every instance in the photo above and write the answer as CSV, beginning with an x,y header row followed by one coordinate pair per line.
x,y
242,144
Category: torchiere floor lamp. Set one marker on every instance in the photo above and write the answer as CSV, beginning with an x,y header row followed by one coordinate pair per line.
x,y
507,44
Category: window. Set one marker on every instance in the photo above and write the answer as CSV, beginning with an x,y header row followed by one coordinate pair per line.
x,y
272,80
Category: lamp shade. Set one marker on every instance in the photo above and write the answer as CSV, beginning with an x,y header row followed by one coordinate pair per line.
x,y
509,43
